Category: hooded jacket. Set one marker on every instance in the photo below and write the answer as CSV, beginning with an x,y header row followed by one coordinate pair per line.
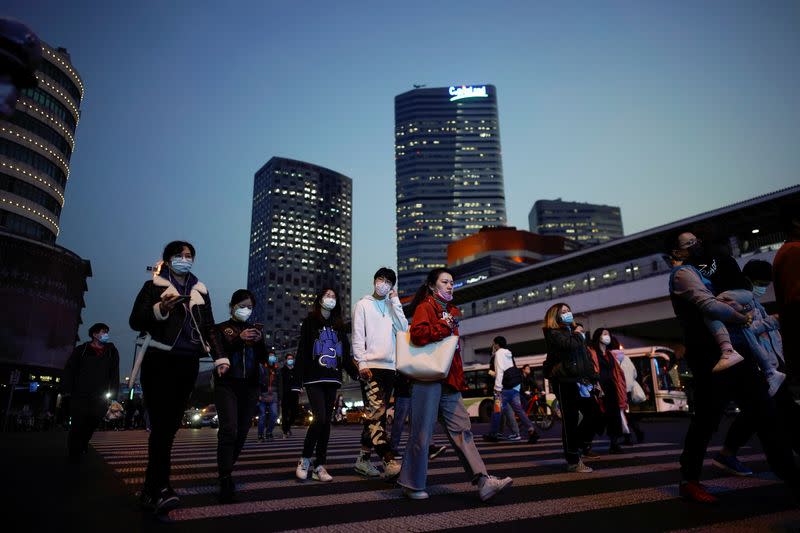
x,y
320,352
164,330
375,326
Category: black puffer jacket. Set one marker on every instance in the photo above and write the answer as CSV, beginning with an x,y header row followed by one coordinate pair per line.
x,y
567,357
164,330
228,347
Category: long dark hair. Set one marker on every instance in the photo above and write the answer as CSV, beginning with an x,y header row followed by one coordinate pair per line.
x,y
424,289
613,345
336,312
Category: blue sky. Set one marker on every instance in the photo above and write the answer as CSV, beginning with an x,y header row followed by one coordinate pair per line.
x,y
666,109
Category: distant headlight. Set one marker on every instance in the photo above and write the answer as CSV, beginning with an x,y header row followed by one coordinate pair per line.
x,y
195,417
310,418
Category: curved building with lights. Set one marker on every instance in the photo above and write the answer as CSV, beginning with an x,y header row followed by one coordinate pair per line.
x,y
41,284
449,174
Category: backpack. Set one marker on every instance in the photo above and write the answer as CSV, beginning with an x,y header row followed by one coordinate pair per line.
x,y
512,376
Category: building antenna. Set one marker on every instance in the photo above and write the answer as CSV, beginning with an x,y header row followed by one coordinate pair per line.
x,y
419,85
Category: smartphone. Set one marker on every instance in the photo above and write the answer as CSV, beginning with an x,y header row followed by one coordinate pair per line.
x,y
183,298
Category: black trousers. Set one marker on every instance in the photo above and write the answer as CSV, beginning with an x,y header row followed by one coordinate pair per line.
x,y
290,406
744,427
167,383
321,397
86,414
376,393
574,436
742,384
236,401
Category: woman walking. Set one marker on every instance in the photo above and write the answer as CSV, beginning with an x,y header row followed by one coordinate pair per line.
x,y
570,370
612,382
239,349
322,348
435,318
174,310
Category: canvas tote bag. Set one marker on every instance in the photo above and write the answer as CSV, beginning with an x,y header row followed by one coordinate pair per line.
x,y
425,363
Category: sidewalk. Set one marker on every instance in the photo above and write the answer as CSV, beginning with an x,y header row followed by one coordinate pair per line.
x,y
43,490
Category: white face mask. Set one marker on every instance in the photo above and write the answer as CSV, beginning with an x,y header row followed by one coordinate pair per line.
x,y
328,303
242,313
605,339
382,288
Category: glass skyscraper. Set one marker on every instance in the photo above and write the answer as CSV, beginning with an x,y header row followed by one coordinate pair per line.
x,y
300,242
449,175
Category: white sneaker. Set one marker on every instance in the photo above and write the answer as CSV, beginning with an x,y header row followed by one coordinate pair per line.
x,y
364,467
580,468
320,474
727,360
303,465
775,380
391,468
489,486
415,494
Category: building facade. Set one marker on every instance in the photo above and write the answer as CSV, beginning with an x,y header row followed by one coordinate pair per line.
x,y
300,242
496,250
588,224
449,174
41,284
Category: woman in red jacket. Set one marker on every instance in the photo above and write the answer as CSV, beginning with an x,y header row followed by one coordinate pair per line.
x,y
612,381
435,318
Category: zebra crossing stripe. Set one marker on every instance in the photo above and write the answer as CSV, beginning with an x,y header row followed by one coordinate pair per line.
x,y
465,518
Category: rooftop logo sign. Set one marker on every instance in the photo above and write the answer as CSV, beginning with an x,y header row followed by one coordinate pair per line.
x,y
459,93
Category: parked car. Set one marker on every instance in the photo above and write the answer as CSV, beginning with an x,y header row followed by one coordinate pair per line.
x,y
354,415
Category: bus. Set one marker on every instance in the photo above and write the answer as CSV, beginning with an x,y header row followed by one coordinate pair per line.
x,y
656,369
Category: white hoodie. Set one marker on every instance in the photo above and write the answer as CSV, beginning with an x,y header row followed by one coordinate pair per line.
x,y
502,361
375,324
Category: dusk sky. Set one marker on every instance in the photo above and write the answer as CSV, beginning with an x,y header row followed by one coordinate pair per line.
x,y
666,109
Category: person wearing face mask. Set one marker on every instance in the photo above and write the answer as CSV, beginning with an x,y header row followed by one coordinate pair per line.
x,y
766,333
290,399
762,333
569,368
612,383
693,298
238,350
91,377
173,311
377,318
269,397
436,318
322,348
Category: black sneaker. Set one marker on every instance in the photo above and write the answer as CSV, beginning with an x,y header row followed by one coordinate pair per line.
x,y
227,490
435,451
533,437
146,501
166,501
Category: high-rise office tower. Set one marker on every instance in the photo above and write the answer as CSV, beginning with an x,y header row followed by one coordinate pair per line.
x,y
41,284
449,174
588,224
300,242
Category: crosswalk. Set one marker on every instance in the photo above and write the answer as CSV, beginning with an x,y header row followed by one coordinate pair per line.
x,y
637,488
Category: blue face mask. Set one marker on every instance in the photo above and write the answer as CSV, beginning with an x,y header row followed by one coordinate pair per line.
x,y
181,265
290,363
759,291
566,318
104,338
272,359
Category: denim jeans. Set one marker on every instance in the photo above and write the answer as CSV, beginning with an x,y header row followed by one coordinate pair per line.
x,y
510,397
267,415
429,401
402,409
